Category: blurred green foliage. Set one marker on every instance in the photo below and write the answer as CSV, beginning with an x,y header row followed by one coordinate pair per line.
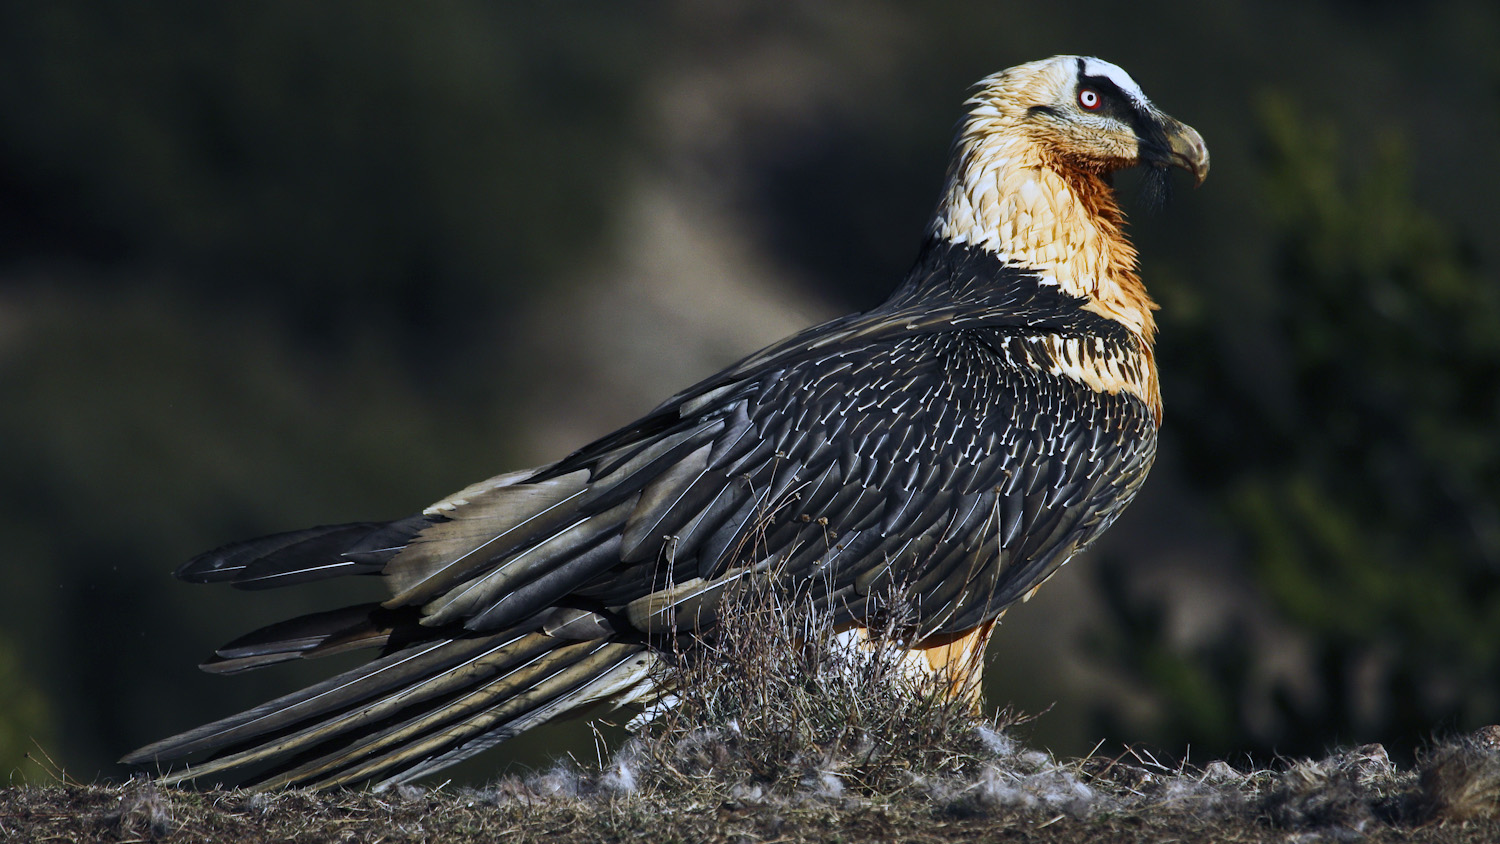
x,y
24,722
1357,465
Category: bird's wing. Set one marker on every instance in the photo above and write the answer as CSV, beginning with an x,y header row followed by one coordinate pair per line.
x,y
918,446
878,451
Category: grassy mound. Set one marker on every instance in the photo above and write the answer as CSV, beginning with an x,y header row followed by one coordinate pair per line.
x,y
784,733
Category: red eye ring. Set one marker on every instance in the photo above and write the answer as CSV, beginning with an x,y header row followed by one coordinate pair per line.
x,y
1089,99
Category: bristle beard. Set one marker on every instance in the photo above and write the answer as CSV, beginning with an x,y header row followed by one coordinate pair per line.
x,y
1156,187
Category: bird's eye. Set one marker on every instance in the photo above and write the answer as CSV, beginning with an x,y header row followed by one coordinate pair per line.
x,y
1089,99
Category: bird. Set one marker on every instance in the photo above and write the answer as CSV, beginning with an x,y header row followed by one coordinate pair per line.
x,y
960,441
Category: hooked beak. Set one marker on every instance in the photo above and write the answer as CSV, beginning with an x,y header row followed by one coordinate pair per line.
x,y
1187,149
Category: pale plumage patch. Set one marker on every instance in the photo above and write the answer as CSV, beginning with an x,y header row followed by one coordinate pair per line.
x,y
1117,75
953,663
1089,360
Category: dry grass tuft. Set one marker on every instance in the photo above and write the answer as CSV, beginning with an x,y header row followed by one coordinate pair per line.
x,y
1460,780
1349,791
780,704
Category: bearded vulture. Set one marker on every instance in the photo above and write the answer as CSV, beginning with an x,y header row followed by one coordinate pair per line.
x,y
960,442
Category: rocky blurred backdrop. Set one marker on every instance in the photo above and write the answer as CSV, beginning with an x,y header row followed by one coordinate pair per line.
x,y
270,265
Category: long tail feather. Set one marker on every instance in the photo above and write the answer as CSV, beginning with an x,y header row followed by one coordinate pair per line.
x,y
315,634
480,716
395,716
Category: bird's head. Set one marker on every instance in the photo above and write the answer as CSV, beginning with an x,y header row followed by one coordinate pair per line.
x,y
1027,181
1086,115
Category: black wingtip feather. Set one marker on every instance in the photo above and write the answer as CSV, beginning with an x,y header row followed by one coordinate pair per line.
x,y
300,556
228,562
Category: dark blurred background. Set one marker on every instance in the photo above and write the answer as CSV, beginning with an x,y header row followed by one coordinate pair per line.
x,y
270,265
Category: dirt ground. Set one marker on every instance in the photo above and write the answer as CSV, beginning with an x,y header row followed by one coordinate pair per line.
x,y
1021,796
